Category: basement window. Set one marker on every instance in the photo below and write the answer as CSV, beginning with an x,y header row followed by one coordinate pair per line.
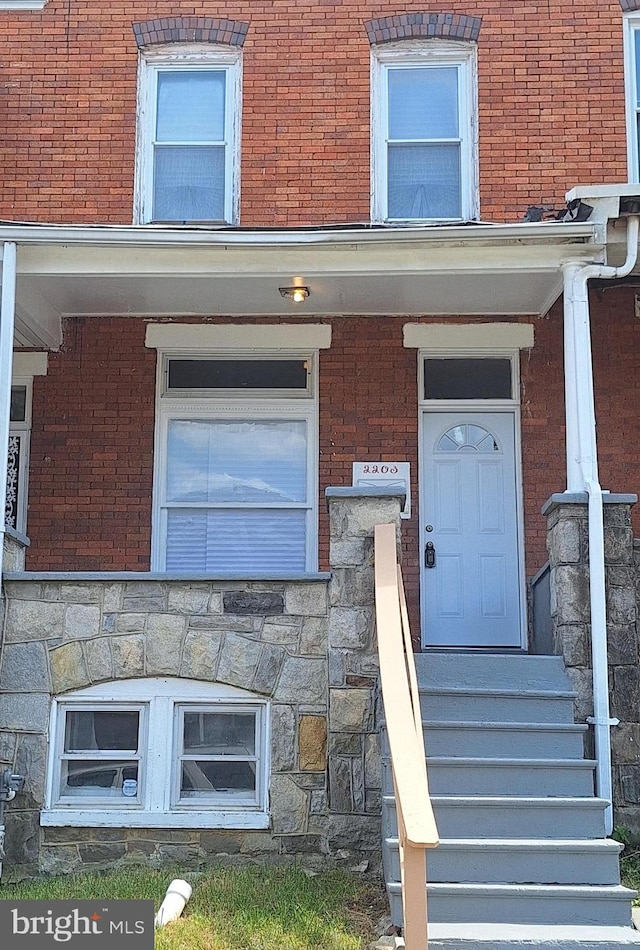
x,y
179,754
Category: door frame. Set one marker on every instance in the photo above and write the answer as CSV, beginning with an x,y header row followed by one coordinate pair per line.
x,y
507,406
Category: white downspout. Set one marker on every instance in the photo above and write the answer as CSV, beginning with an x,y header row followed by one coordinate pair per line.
x,y
7,322
582,475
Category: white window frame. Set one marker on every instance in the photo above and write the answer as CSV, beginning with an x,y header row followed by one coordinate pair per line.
x,y
632,109
220,406
21,430
187,58
22,4
157,804
425,53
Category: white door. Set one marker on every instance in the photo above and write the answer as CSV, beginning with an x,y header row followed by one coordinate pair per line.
x,y
469,544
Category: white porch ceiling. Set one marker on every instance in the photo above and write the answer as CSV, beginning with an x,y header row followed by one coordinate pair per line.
x,y
473,270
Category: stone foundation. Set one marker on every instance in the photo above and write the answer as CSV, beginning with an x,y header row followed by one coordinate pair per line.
x,y
306,644
568,547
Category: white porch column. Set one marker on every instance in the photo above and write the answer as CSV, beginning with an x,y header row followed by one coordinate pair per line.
x,y
580,410
7,321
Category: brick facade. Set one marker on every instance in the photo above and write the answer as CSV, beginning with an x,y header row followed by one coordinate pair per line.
x,y
551,111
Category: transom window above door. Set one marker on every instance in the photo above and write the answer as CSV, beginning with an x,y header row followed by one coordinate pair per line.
x,y
468,378
236,473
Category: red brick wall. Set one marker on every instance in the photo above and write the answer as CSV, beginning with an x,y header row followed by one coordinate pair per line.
x,y
92,450
550,88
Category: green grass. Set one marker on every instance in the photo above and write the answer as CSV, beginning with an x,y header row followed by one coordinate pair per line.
x,y
247,908
630,869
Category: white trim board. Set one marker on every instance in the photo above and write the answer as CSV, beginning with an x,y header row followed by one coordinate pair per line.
x,y
29,364
468,336
22,4
230,336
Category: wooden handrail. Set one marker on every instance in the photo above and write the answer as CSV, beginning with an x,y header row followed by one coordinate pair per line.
x,y
416,822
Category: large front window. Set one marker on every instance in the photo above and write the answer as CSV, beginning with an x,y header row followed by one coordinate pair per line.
x,y
236,477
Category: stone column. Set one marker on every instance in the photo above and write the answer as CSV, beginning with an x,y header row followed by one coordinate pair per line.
x,y
14,549
568,544
354,758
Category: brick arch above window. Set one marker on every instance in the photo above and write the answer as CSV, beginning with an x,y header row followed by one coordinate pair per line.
x,y
189,29
406,26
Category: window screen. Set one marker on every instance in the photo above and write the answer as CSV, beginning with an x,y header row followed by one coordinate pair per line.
x,y
467,379
189,146
423,160
237,495
18,412
100,757
238,374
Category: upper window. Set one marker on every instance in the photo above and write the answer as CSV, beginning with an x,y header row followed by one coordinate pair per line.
x,y
424,151
632,84
188,136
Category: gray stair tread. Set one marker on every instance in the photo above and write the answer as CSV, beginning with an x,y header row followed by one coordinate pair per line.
x,y
505,801
585,845
536,891
503,693
506,726
491,670
465,761
513,936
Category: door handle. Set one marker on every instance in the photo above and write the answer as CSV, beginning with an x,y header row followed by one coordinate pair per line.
x,y
429,555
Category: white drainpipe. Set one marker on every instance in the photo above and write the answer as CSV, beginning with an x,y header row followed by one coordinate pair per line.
x,y
582,475
7,321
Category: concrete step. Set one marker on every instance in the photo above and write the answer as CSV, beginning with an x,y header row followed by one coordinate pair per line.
x,y
501,739
517,861
537,778
507,705
491,671
578,905
505,817
480,936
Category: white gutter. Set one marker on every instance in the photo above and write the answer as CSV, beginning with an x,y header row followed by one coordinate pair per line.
x,y
7,320
149,235
582,475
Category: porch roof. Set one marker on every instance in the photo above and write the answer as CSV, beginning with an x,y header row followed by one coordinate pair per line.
x,y
150,271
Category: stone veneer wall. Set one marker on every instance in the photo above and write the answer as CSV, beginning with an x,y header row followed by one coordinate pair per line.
x,y
568,546
307,644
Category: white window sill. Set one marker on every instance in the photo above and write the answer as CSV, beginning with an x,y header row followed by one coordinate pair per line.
x,y
128,818
22,4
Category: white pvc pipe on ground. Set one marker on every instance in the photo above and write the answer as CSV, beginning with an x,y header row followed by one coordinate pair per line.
x,y
178,893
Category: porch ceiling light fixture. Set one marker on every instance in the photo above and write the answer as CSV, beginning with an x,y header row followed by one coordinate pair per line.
x,y
297,294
